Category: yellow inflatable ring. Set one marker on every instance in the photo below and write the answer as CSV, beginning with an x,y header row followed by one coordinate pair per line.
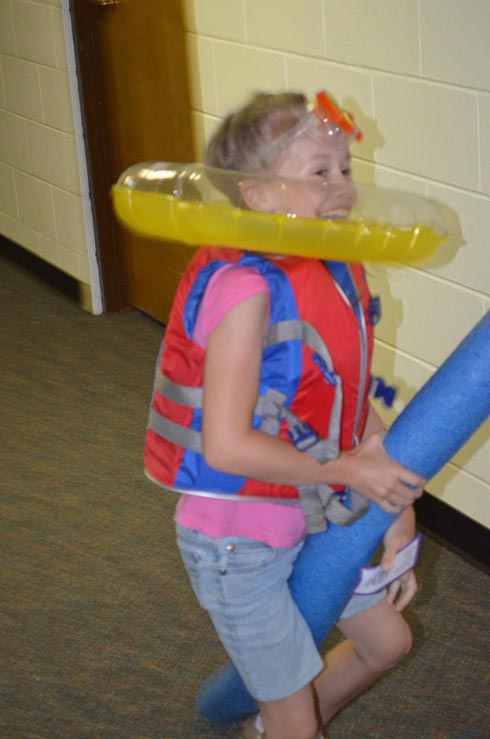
x,y
187,203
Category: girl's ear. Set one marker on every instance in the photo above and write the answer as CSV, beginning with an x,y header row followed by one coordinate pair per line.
x,y
258,195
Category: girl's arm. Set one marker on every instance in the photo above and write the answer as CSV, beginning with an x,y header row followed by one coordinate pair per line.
x,y
231,444
374,424
400,533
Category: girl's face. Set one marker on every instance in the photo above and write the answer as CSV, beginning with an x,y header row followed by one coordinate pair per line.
x,y
321,165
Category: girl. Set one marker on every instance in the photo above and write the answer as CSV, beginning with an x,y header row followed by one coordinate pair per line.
x,y
261,400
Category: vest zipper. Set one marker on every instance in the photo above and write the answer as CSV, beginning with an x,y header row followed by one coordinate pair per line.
x,y
363,371
361,324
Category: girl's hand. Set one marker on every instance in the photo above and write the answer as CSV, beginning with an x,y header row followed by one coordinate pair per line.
x,y
403,590
400,533
375,475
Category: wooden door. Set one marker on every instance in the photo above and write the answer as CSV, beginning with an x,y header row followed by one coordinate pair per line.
x,y
133,69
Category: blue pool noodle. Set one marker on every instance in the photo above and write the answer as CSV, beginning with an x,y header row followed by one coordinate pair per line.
x,y
443,415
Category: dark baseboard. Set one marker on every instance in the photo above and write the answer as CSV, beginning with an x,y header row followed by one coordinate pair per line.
x,y
45,271
455,530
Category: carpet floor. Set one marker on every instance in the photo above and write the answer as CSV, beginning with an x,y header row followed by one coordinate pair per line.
x,y
100,633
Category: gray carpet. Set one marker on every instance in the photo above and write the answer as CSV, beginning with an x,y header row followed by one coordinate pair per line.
x,y
100,633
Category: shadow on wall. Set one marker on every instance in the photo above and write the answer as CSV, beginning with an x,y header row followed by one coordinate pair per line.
x,y
372,138
393,308
455,240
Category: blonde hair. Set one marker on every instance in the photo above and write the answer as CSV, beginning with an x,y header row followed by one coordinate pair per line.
x,y
249,140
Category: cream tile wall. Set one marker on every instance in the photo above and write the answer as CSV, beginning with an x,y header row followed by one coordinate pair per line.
x,y
415,74
44,202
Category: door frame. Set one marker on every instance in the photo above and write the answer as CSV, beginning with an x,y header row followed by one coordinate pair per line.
x,y
99,180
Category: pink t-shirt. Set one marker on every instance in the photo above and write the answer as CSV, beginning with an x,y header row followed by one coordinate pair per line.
x,y
276,524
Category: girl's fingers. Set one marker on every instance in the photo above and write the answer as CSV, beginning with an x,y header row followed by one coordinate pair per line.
x,y
404,495
390,506
406,588
392,591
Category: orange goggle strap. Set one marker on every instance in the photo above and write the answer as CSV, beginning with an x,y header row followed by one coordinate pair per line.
x,y
327,110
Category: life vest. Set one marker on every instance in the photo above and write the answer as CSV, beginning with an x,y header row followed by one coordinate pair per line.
x,y
314,379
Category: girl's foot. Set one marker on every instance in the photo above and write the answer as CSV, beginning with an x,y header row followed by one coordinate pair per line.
x,y
253,728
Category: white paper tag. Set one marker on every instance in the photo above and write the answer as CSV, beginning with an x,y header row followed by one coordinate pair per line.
x,y
373,579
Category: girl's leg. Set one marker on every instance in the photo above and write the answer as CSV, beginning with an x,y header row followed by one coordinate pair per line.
x,y
377,639
324,575
243,585
295,717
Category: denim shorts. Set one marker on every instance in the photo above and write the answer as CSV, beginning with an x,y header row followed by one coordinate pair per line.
x,y
360,603
243,585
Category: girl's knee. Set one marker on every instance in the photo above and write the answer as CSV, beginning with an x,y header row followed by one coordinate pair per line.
x,y
395,644
402,643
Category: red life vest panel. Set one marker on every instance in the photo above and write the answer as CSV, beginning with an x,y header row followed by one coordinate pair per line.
x,y
314,379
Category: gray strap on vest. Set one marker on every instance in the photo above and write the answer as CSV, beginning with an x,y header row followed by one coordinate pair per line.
x,y
268,406
321,505
271,408
175,432
305,332
319,502
322,449
299,331
183,394
192,396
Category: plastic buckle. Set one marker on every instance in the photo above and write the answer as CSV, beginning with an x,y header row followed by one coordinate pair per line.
x,y
374,310
379,389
